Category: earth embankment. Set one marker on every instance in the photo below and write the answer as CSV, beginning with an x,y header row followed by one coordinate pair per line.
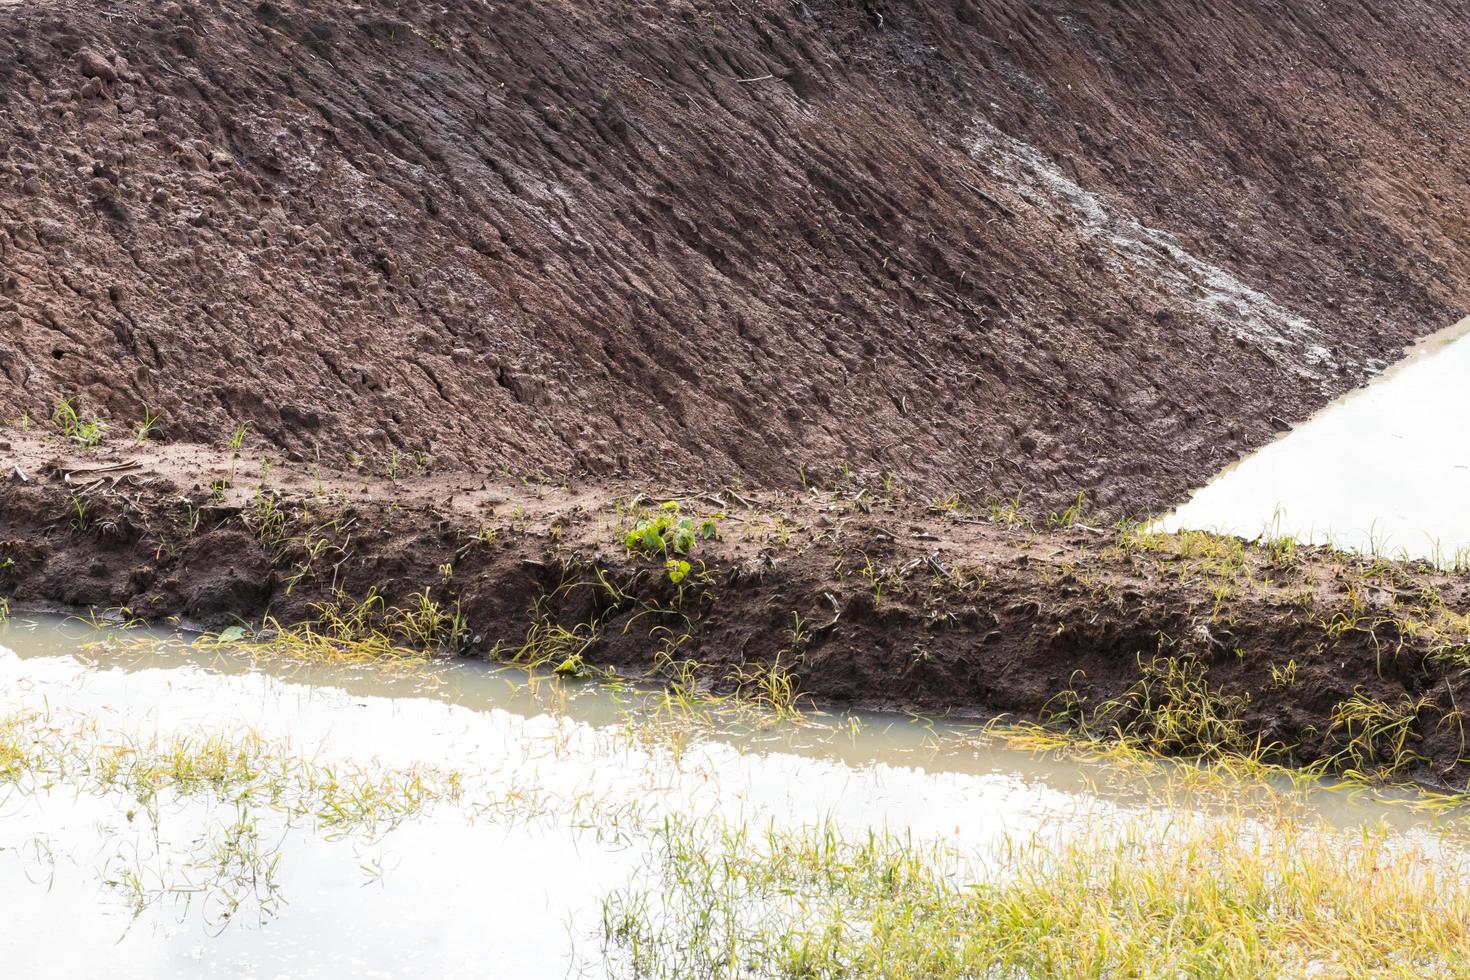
x,y
982,245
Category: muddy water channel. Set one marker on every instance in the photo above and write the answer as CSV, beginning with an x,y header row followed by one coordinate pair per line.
x,y
166,811
1384,470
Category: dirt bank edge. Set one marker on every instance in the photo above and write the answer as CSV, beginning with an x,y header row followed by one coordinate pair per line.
x,y
865,595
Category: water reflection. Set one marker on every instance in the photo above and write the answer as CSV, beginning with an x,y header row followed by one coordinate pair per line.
x,y
1385,469
528,808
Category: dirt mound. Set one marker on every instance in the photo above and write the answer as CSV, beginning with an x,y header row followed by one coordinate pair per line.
x,y
981,244
1185,644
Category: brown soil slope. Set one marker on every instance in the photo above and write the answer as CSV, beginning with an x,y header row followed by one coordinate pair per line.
x,y
984,244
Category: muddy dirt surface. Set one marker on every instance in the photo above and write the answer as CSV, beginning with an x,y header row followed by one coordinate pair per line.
x,y
866,595
984,245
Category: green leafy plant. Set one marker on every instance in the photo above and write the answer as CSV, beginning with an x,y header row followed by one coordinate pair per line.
x,y
666,532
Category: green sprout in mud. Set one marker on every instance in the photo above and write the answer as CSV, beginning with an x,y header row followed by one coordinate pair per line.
x,y
550,643
520,521
79,520
950,504
1068,517
237,438
874,576
780,531
798,632
1008,512
1376,736
143,429
312,547
1283,676
85,432
266,517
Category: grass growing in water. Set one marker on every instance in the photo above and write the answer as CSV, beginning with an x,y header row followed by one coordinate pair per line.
x,y
39,751
345,631
1237,896
1232,891
1173,709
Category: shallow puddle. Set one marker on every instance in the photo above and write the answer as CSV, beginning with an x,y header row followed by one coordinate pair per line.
x,y
460,820
1384,470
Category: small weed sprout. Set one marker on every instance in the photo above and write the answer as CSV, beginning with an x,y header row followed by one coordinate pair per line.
x,y
237,438
1174,709
346,630
79,520
874,576
85,432
143,429
779,531
266,517
946,505
1008,512
520,521
1068,517
1283,676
